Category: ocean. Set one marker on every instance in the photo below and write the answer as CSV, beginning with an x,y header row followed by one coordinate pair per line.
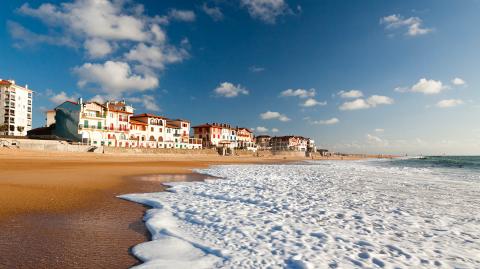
x,y
401,213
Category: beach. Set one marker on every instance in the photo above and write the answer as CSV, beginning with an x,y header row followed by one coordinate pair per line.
x,y
60,209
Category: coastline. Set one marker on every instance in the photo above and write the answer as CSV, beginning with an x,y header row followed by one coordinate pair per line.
x,y
60,209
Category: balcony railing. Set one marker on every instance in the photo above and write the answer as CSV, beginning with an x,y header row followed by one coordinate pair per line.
x,y
97,115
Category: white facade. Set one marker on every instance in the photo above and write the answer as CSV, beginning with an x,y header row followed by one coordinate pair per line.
x,y
15,109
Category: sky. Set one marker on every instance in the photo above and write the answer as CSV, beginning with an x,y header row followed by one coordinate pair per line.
x,y
370,76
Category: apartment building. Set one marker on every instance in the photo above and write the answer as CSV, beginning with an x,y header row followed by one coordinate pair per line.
x,y
15,108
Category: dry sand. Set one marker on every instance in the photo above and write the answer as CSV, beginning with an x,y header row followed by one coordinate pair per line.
x,y
59,210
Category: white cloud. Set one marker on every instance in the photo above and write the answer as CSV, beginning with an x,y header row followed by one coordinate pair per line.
x,y
61,97
261,129
354,105
370,102
97,47
114,78
266,10
25,38
156,56
312,102
227,89
256,69
182,15
413,25
214,12
98,98
301,93
375,100
458,81
350,94
108,20
428,86
449,103
327,122
148,102
271,115
275,130
379,130
109,28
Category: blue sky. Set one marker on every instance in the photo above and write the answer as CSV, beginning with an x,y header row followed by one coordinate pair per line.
x,y
357,76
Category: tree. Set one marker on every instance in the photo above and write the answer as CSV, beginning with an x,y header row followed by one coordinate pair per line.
x,y
20,128
3,128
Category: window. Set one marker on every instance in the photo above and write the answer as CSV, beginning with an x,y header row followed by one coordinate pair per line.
x,y
151,129
85,123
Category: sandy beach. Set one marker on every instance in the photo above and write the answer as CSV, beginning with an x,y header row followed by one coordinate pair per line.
x,y
60,209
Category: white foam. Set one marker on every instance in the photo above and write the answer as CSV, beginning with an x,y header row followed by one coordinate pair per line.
x,y
315,215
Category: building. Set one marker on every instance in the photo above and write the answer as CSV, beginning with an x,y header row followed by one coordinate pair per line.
x,y
219,135
117,121
245,139
15,109
289,143
263,142
49,118
155,134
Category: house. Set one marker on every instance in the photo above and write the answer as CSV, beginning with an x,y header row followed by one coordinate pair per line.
x,y
263,142
138,133
245,139
289,143
155,134
117,121
15,108
219,135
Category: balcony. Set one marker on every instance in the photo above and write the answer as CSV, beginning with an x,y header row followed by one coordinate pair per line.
x,y
91,127
96,115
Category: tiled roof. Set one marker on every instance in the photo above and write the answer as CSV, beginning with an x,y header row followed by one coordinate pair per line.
x,y
147,115
137,122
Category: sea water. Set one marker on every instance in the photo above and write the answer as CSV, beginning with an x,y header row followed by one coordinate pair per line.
x,y
408,213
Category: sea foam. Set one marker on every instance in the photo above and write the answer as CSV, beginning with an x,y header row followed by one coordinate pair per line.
x,y
314,215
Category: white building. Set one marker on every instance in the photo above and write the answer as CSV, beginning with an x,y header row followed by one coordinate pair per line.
x,y
15,109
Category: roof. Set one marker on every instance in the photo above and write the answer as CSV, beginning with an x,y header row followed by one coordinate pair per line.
x,y
169,125
5,82
244,128
148,115
216,125
138,122
71,102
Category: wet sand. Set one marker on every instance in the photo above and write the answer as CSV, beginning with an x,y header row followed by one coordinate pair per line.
x,y
59,210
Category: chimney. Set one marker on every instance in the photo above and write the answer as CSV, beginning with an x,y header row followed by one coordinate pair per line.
x,y
80,100
26,86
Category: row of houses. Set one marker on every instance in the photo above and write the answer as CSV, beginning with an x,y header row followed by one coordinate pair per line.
x,y
115,124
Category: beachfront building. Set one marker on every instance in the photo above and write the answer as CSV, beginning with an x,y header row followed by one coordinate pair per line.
x,y
155,134
15,109
263,142
219,135
245,139
91,121
138,133
117,122
289,143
